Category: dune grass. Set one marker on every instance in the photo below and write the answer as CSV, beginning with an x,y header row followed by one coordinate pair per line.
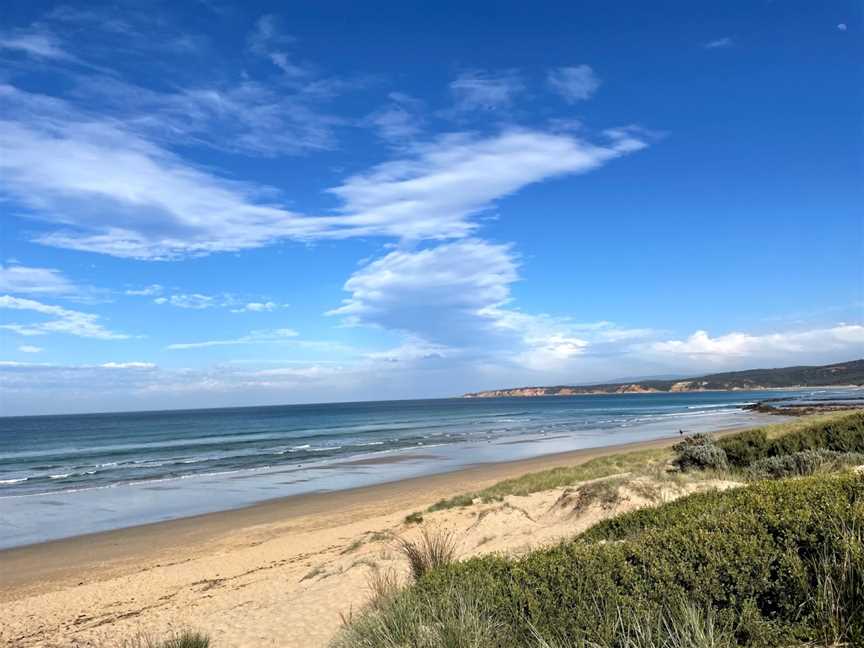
x,y
182,639
641,461
776,563
433,549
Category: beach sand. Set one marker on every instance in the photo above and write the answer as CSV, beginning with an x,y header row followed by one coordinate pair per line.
x,y
280,573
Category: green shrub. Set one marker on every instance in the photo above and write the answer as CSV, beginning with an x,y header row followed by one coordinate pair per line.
x,y
699,452
744,448
843,434
748,557
802,463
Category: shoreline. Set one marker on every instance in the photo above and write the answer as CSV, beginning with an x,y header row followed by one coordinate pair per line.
x,y
60,563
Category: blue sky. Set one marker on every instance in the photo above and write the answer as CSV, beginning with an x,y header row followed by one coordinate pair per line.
x,y
213,203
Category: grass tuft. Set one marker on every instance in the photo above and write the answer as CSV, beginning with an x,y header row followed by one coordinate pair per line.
x,y
414,518
433,549
183,639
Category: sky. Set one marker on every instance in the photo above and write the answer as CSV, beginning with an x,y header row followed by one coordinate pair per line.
x,y
211,203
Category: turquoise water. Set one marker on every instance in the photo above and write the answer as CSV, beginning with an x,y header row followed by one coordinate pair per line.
x,y
67,475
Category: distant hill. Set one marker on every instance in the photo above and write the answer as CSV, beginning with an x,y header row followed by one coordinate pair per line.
x,y
842,373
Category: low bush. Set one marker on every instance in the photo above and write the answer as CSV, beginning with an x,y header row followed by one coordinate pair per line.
x,y
843,433
753,559
699,452
803,463
744,448
800,450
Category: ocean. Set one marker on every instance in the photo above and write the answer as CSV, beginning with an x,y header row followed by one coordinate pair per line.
x,y
67,475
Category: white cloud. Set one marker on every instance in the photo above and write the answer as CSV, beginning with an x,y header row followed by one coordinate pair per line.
x,y
411,351
29,348
257,307
842,27
478,90
34,281
720,43
118,194
37,44
128,365
66,321
195,301
146,291
435,294
576,83
453,301
113,192
398,120
843,337
433,193
268,40
255,337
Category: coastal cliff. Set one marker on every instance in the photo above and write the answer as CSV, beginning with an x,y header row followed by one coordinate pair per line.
x,y
834,375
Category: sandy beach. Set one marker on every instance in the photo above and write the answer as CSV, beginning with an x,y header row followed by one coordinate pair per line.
x,y
280,573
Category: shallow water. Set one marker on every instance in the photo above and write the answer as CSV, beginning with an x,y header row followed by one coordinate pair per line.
x,y
66,475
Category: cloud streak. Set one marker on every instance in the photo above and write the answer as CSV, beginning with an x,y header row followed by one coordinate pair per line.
x,y
112,192
65,321
255,337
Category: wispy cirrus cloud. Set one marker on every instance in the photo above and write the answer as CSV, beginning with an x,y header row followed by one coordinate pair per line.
x,y
576,83
436,190
719,43
62,320
267,39
27,280
485,91
114,192
34,42
399,120
146,291
255,337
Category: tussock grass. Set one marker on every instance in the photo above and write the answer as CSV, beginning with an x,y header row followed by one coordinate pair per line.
x,y
383,585
434,548
183,639
681,625
838,600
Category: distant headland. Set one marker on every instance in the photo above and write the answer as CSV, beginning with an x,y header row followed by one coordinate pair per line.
x,y
834,375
